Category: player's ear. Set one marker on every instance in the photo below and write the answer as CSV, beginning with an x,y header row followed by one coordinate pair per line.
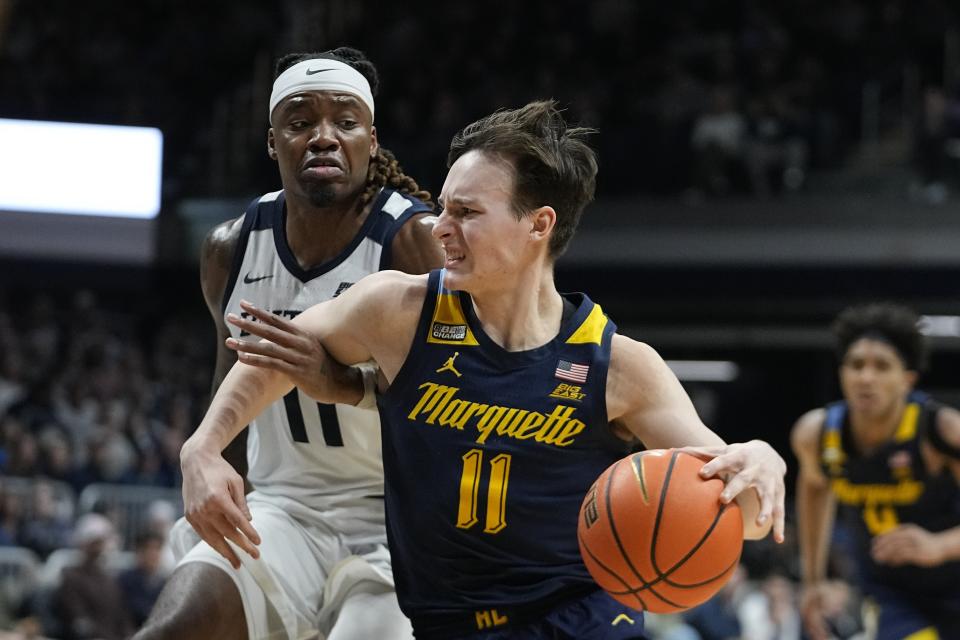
x,y
271,144
374,145
543,220
912,377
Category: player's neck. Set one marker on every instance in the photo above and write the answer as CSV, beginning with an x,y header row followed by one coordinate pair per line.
x,y
524,315
873,431
318,234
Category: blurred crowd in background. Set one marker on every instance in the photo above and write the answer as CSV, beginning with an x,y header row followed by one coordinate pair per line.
x,y
693,97
95,402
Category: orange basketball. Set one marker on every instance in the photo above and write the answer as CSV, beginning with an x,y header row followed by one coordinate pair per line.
x,y
654,534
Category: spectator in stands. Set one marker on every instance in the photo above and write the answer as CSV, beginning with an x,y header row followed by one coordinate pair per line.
x,y
718,618
10,513
161,516
142,583
88,602
777,150
47,529
938,125
718,144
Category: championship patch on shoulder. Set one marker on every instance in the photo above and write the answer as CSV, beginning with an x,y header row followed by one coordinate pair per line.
x,y
442,331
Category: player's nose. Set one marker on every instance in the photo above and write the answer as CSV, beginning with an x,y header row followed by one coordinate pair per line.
x,y
323,136
441,228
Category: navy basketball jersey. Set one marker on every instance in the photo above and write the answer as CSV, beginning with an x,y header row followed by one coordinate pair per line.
x,y
889,487
489,454
315,456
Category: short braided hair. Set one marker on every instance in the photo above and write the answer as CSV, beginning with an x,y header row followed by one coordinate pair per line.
x,y
385,171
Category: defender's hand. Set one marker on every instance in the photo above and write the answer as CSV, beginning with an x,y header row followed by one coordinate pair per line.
x,y
214,503
292,351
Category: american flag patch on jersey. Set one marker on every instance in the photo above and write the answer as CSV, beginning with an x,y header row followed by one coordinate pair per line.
x,y
572,371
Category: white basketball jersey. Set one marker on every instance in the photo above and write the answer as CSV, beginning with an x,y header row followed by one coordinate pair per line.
x,y
315,454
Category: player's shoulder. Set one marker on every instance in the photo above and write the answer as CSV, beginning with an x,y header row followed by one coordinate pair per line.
x,y
805,435
222,239
414,249
392,287
948,422
637,375
627,354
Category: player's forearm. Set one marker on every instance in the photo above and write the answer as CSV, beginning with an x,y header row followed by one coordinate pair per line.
x,y
815,513
245,392
949,542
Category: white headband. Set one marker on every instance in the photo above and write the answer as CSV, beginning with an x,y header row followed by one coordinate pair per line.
x,y
321,74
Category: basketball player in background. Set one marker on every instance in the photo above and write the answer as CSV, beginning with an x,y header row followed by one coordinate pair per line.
x,y
346,210
890,457
502,399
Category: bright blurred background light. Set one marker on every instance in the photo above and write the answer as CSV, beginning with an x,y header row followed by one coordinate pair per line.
x,y
940,326
704,370
60,167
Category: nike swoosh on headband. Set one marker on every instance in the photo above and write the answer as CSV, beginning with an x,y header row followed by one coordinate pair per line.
x,y
310,72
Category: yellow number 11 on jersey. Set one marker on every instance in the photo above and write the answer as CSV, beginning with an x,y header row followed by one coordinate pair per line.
x,y
496,491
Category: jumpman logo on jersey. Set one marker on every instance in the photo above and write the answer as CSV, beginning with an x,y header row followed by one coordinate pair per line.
x,y
448,365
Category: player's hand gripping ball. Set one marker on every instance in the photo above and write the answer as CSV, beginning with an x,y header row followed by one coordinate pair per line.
x,y
654,534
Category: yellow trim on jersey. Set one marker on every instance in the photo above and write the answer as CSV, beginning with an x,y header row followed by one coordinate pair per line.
x,y
591,331
832,448
908,423
930,633
450,320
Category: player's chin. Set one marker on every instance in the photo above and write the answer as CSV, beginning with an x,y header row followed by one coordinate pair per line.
x,y
320,193
456,276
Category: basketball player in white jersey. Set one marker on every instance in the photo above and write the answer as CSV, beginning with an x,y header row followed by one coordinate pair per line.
x,y
346,210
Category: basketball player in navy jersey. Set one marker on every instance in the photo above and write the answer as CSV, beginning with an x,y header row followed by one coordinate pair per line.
x,y
502,400
890,457
346,210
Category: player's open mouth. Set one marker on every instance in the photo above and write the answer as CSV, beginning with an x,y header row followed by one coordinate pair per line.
x,y
454,258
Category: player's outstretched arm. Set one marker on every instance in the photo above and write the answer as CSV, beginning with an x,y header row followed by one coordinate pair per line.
x,y
645,397
348,327
373,320
216,257
816,509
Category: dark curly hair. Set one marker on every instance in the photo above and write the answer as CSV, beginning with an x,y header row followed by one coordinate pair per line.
x,y
552,164
892,323
384,169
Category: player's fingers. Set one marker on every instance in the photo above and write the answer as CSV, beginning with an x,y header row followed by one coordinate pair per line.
x,y
266,362
218,544
269,318
263,348
267,332
722,465
226,527
767,505
704,453
779,519
243,523
734,487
